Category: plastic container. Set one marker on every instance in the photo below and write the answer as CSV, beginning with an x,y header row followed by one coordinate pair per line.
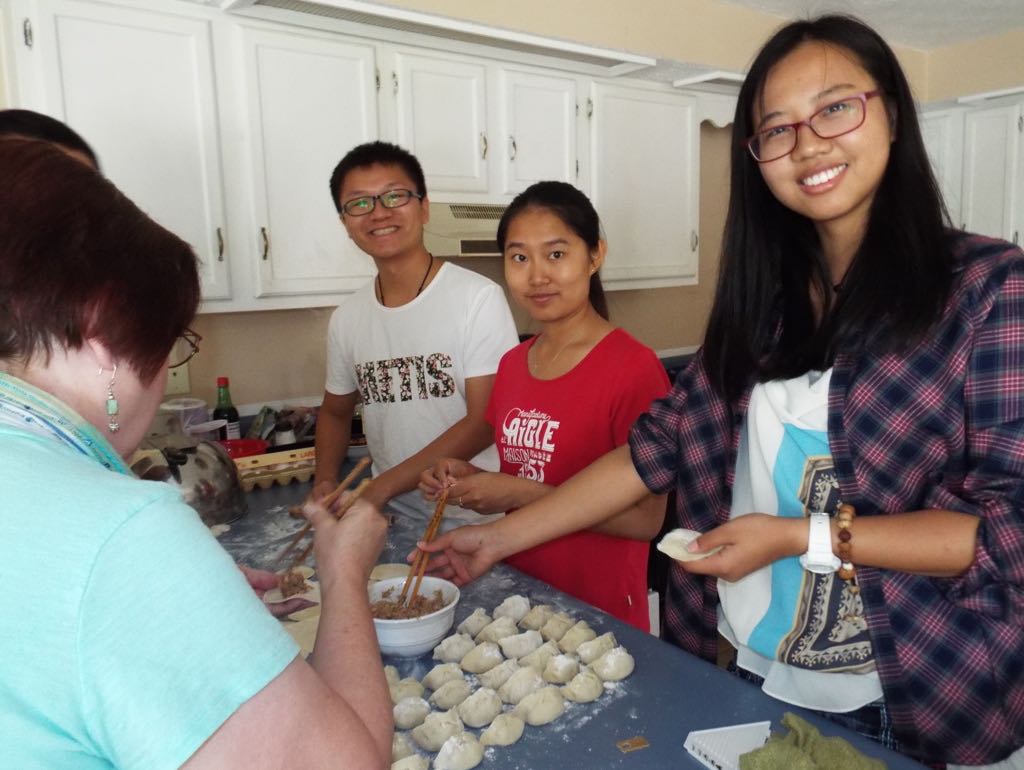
x,y
244,447
410,637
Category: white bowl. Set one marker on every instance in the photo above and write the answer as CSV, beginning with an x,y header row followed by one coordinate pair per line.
x,y
409,637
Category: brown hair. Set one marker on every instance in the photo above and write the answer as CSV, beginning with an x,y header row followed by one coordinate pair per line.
x,y
78,260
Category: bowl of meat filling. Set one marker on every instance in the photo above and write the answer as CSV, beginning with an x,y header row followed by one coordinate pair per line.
x,y
412,626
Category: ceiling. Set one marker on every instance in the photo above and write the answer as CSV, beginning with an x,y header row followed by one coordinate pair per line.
x,y
922,24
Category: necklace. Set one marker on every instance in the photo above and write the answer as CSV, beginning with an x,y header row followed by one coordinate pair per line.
x,y
536,357
430,264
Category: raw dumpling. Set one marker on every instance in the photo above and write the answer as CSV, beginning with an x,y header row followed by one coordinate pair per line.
x,y
518,645
391,674
560,669
584,687
410,712
451,694
441,673
674,543
460,752
505,730
590,651
575,636
540,707
614,665
400,748
480,708
556,626
498,675
481,658
514,607
499,628
521,683
438,727
411,762
452,648
537,617
475,623
405,688
539,658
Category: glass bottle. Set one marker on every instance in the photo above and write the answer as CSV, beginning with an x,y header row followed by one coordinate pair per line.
x,y
225,410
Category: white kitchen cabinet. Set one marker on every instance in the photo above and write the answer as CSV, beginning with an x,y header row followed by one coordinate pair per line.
x,y
993,182
441,117
138,84
943,133
310,99
540,122
645,184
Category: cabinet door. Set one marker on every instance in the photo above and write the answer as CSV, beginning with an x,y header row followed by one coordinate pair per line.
x,y
540,120
138,85
991,145
441,116
311,100
943,134
645,182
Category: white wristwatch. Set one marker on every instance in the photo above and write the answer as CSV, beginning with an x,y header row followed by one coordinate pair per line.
x,y
819,557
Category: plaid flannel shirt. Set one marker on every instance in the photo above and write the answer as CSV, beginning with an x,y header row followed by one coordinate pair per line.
x,y
941,426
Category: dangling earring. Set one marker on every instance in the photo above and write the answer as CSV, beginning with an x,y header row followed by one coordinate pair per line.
x,y
112,424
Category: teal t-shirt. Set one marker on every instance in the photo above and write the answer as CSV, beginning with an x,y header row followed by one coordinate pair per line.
x,y
127,634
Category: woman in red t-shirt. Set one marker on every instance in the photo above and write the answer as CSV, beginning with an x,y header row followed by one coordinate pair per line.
x,y
561,400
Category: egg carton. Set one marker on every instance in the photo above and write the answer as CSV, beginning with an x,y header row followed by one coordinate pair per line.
x,y
265,470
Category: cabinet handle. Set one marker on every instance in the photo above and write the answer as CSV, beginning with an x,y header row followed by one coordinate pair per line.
x,y
590,108
266,243
694,240
394,83
1016,237
26,32
220,245
513,150
483,146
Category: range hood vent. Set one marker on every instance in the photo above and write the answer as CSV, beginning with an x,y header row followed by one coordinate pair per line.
x,y
463,229
597,61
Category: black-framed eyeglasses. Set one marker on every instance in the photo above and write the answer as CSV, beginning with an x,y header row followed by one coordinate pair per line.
x,y
391,199
830,121
181,357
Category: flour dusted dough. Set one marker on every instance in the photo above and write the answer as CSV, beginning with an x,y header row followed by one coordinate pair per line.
x,y
498,675
441,673
391,674
499,628
304,633
540,707
674,543
518,645
590,651
410,712
539,658
451,694
514,607
406,688
556,626
560,669
411,762
436,729
505,730
480,708
475,623
614,665
575,636
537,617
385,571
453,648
400,748
584,687
460,752
520,684
481,658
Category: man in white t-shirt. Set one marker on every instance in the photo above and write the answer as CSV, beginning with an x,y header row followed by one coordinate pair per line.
x,y
418,346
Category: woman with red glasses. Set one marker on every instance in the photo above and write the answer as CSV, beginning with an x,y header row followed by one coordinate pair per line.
x,y
850,438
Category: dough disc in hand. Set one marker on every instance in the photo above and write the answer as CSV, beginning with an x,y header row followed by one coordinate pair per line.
x,y
674,545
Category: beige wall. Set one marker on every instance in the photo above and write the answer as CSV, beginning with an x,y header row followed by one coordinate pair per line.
x,y
978,66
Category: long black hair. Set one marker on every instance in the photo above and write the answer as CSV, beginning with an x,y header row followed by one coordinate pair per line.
x,y
575,210
762,324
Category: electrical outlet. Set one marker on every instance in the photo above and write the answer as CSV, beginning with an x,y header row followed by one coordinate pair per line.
x,y
177,381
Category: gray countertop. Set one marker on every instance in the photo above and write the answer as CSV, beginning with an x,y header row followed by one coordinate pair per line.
x,y
669,694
